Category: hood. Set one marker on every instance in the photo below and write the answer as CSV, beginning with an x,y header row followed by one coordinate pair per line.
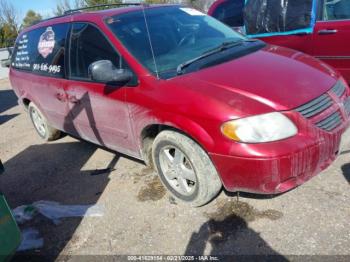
x,y
280,78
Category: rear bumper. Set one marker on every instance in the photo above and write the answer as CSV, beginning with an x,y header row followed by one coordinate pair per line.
x,y
270,173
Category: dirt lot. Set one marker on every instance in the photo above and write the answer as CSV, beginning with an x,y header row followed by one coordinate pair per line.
x,y
140,218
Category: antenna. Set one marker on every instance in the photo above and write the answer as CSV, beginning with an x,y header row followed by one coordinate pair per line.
x,y
150,42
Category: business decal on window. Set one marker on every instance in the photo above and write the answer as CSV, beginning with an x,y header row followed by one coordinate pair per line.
x,y
22,56
46,42
45,67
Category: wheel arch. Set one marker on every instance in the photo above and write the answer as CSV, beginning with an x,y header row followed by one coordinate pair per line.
x,y
185,126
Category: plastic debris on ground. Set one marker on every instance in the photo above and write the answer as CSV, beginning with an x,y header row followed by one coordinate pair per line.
x,y
30,240
55,211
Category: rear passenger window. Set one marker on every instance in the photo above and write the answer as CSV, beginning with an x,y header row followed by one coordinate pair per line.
x,y
42,51
89,45
230,12
336,10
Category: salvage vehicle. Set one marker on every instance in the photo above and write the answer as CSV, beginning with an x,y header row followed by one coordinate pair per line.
x,y
206,106
328,41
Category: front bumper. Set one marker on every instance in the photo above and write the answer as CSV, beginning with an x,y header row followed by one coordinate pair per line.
x,y
281,166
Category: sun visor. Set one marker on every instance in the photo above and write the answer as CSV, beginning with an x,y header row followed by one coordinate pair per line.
x,y
264,18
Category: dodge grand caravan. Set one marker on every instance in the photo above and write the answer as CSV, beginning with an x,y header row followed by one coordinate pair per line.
x,y
204,105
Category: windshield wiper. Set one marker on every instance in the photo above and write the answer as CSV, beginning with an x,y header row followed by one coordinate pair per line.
x,y
218,49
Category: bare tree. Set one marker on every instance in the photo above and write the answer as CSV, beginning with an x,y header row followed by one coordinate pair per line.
x,y
8,15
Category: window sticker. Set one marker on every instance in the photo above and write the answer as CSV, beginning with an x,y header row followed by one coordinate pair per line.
x,y
22,57
46,42
192,11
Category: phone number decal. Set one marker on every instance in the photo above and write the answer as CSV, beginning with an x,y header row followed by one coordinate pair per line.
x,y
52,69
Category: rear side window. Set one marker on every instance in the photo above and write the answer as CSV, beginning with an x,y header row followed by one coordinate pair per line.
x,y
336,10
230,12
89,45
42,51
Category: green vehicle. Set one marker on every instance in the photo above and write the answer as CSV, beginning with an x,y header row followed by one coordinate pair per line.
x,y
10,236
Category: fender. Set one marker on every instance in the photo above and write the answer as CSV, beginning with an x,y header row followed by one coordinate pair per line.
x,y
182,123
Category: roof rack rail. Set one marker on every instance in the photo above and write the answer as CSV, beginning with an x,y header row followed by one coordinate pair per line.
x,y
68,12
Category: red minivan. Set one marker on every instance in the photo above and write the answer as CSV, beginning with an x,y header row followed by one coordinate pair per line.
x,y
330,38
207,107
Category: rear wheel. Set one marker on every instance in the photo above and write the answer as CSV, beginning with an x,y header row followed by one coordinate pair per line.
x,y
43,128
185,168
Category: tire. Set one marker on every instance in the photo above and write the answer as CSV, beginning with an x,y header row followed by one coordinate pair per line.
x,y
185,169
41,125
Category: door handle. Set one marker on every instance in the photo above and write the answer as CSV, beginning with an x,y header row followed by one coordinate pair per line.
x,y
328,32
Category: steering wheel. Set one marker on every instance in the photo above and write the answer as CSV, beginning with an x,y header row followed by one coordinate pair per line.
x,y
186,39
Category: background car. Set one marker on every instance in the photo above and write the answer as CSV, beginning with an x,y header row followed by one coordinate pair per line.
x,y
328,42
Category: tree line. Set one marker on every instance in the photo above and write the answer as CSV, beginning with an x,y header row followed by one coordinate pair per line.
x,y
10,26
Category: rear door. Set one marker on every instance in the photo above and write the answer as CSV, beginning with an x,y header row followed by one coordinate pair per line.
x,y
331,38
98,111
39,63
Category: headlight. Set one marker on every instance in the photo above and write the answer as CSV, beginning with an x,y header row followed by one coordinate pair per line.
x,y
260,129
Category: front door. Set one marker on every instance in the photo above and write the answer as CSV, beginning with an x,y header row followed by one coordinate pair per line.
x,y
98,111
331,38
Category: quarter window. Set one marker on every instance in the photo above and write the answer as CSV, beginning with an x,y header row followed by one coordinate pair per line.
x,y
336,10
42,51
89,45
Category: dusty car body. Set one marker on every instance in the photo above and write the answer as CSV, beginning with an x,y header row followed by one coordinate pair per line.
x,y
203,110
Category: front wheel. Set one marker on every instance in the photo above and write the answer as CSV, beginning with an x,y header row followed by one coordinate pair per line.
x,y
185,168
42,127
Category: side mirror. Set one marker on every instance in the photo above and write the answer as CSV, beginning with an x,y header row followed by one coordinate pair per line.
x,y
104,71
6,63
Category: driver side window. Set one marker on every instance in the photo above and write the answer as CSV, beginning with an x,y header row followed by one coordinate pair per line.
x,y
336,10
88,45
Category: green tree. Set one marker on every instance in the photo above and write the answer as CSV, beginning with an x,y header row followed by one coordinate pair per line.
x,y
8,23
65,5
31,18
101,2
157,1
7,35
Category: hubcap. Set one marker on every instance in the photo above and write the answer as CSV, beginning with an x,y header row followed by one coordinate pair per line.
x,y
38,121
178,170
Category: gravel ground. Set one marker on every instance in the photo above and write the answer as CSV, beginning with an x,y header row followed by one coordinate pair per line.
x,y
141,219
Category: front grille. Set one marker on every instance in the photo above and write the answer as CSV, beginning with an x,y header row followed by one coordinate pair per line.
x,y
347,106
316,106
331,122
339,89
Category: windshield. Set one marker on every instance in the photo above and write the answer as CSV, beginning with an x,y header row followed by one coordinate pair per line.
x,y
177,34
